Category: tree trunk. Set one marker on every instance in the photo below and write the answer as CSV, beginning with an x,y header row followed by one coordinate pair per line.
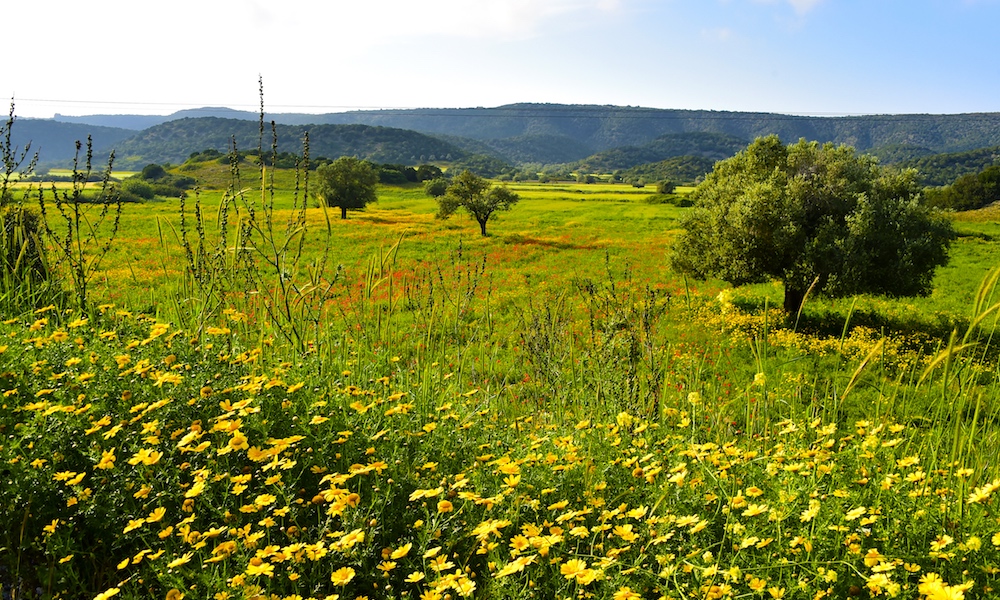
x,y
794,297
482,228
343,212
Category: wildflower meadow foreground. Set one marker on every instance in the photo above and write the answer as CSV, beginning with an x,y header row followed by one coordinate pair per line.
x,y
139,460
268,404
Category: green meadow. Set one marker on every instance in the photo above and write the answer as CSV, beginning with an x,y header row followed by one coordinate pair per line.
x,y
257,399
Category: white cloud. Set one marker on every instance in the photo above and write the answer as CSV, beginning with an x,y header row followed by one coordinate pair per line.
x,y
801,7
718,34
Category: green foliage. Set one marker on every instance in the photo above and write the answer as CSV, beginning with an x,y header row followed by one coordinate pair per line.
x,y
665,186
476,430
347,183
135,189
153,172
969,192
898,153
483,165
710,146
205,155
155,180
604,127
82,224
477,197
174,141
943,169
436,187
388,173
687,170
812,216
24,256
535,148
25,278
428,172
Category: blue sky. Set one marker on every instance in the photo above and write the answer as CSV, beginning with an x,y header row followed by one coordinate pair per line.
x,y
820,57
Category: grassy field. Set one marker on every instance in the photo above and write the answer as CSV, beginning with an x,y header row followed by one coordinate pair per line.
x,y
282,404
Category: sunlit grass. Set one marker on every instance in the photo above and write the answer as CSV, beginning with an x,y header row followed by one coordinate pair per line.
x,y
210,472
545,412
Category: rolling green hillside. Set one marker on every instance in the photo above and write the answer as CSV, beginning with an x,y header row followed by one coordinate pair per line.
x,y
174,141
540,134
604,127
55,142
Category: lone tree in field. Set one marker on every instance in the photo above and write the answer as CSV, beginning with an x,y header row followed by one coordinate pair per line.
x,y
808,213
477,196
347,183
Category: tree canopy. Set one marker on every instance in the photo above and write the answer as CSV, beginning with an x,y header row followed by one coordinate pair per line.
x,y
347,183
477,196
809,213
969,192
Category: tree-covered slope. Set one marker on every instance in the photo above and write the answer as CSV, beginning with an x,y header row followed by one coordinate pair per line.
x,y
528,133
712,146
174,141
604,127
56,142
681,170
943,169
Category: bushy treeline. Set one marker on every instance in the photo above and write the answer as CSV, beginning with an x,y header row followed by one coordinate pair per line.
x,y
173,141
945,169
91,178
969,192
154,180
712,146
683,169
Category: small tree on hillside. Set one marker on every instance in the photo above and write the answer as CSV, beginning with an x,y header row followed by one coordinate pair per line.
x,y
477,196
347,183
807,213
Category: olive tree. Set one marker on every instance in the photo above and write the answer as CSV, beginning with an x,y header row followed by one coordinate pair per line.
x,y
477,196
347,183
810,214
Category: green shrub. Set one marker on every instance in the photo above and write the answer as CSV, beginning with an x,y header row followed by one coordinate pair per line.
x,y
436,187
134,187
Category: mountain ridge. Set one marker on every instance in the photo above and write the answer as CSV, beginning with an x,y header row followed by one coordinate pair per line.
x,y
522,134
600,127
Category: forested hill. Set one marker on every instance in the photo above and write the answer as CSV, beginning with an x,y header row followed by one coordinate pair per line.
x,y
942,169
712,146
604,127
597,128
56,142
174,141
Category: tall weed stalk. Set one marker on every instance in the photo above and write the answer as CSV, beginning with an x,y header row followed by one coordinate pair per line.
x,y
25,281
82,224
254,262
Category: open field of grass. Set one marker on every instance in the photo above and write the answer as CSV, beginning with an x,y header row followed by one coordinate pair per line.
x,y
393,406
